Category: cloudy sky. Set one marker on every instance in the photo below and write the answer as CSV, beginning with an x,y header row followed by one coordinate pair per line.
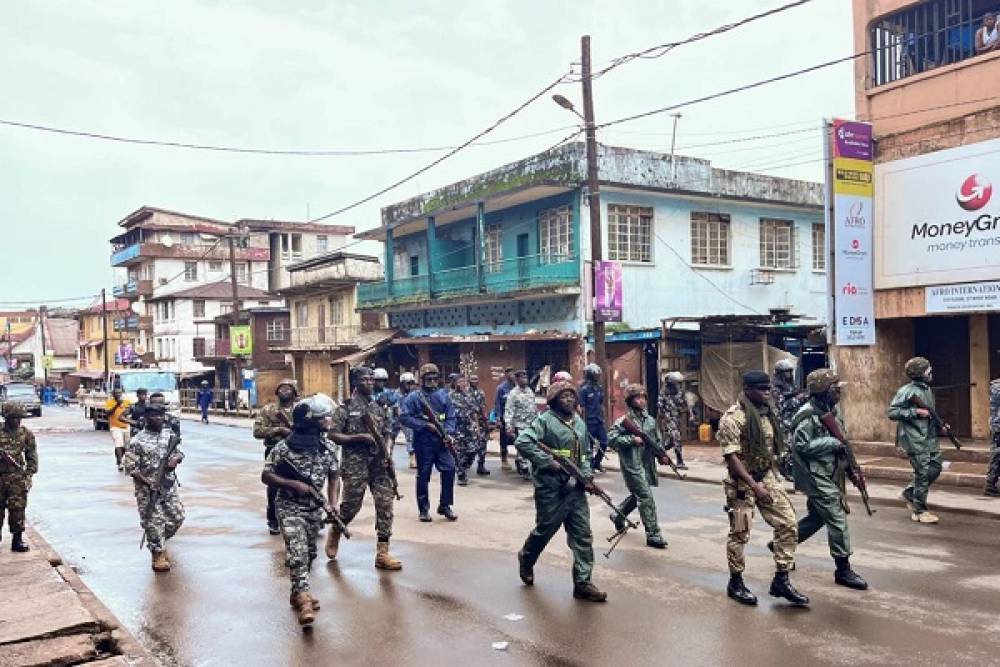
x,y
323,74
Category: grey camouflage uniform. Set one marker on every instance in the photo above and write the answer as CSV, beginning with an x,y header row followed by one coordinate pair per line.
x,y
143,455
519,413
363,466
479,400
467,427
993,473
669,409
787,399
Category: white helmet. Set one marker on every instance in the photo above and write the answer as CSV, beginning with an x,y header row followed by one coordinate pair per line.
x,y
785,364
562,376
380,374
406,377
313,408
675,377
592,369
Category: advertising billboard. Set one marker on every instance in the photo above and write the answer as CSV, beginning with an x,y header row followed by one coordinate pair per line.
x,y
240,340
608,292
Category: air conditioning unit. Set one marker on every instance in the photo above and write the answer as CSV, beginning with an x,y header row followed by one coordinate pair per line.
x,y
761,276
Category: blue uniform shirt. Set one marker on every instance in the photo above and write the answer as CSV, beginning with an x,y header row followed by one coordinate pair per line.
x,y
411,414
500,404
592,402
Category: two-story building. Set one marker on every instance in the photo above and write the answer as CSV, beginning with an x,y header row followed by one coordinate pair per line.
x,y
494,271
122,327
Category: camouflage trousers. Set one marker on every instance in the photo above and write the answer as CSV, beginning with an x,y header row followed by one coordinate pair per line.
x,y
165,518
362,468
993,470
14,499
471,446
780,515
670,430
299,528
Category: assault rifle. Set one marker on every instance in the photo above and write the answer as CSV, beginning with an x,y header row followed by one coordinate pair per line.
x,y
12,461
629,425
390,468
936,420
288,470
156,485
431,418
829,421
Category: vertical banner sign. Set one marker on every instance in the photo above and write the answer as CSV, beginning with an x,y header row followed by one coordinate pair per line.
x,y
608,292
852,174
240,340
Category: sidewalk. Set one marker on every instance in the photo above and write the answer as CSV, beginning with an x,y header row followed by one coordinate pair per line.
x,y
50,617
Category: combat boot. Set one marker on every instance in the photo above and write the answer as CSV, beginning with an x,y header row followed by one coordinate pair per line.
x,y
315,601
17,543
332,542
463,478
924,517
845,576
504,464
526,571
781,587
303,604
992,491
738,590
160,562
447,512
481,469
590,592
656,541
383,560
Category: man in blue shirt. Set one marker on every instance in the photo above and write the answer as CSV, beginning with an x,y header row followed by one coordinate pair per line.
x,y
592,404
204,400
499,406
431,450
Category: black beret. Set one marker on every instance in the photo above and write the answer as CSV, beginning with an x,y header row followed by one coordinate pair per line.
x,y
755,378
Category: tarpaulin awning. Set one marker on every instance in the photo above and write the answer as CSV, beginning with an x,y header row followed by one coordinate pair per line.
x,y
723,365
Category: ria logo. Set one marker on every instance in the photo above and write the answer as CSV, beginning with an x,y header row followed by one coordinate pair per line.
x,y
855,244
974,193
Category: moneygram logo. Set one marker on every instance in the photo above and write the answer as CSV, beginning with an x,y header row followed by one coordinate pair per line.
x,y
974,193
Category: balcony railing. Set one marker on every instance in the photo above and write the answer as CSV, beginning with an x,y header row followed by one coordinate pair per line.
x,y
128,289
124,255
210,347
335,336
126,323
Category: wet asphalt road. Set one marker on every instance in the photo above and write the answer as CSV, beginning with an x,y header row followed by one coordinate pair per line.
x,y
934,600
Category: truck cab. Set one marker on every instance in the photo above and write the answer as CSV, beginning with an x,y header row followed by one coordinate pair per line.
x,y
130,381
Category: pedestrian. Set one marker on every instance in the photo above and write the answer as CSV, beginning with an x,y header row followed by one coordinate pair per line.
x,y
479,401
300,514
406,384
274,424
670,406
592,404
750,436
993,472
116,407
499,407
558,500
820,472
638,457
431,450
917,436
363,465
145,459
18,464
136,414
204,400
519,412
467,426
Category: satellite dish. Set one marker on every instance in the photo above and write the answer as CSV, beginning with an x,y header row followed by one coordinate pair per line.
x,y
167,240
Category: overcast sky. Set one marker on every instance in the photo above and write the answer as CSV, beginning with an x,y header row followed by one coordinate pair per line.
x,y
319,74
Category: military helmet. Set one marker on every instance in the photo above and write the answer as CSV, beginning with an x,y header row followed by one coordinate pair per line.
x,y
821,379
785,364
406,377
916,367
313,409
290,382
429,368
13,411
557,388
634,390
675,377
380,374
591,369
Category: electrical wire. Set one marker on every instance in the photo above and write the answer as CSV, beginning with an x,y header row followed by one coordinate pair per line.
x,y
704,277
35,302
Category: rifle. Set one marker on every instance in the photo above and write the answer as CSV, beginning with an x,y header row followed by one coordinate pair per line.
x,y
937,421
430,417
288,470
829,421
629,425
390,468
156,488
12,461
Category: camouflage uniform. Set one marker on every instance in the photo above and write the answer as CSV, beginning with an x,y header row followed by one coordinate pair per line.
x,y
467,428
363,466
143,455
993,473
478,397
519,412
14,485
299,516
788,399
669,408
271,417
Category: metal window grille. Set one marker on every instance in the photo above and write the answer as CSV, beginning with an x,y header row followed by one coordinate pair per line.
x,y
630,231
710,239
555,235
819,247
494,249
190,271
777,244
199,308
198,347
275,330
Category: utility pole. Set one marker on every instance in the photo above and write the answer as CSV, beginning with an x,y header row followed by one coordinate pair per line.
x,y
41,328
236,311
104,334
673,145
593,200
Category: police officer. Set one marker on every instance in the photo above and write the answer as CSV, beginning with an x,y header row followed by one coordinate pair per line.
x,y
993,473
479,400
917,436
18,464
273,424
818,459
670,406
750,436
519,412
592,404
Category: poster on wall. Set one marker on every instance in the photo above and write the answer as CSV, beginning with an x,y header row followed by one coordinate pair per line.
x,y
240,340
608,292
852,190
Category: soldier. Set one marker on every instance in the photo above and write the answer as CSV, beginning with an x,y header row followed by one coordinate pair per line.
x,y
786,396
142,459
638,464
993,473
406,384
592,404
18,464
274,424
559,502
519,412
818,459
136,413
466,428
431,450
171,421
499,408
750,436
916,435
479,401
300,516
364,465
668,415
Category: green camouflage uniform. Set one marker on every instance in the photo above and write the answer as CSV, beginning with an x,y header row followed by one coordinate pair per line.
x,y
918,438
14,484
299,516
820,476
638,465
555,504
363,466
143,455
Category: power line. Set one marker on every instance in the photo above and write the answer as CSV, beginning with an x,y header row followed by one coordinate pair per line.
x,y
704,277
44,302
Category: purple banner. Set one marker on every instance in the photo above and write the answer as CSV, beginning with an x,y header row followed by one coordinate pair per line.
x,y
608,292
852,139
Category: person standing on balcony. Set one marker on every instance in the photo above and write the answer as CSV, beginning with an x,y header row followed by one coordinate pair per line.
x,y
274,424
204,400
432,450
988,36
592,405
499,406
519,412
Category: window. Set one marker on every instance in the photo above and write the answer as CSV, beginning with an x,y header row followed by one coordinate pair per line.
x,y
494,248
709,239
302,314
147,271
275,330
291,247
225,308
187,238
198,347
190,271
321,245
414,265
819,246
630,231
555,235
241,273
401,264
777,247
159,348
296,246
215,266
337,309
199,308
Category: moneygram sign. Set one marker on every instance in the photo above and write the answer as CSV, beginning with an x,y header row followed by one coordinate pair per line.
x,y
938,219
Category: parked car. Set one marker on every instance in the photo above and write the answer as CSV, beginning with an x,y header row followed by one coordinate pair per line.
x,y
24,394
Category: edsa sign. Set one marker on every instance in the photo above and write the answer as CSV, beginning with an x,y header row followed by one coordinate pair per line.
x,y
938,217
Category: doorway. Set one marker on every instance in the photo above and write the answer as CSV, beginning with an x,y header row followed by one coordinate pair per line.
x,y
523,252
944,341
